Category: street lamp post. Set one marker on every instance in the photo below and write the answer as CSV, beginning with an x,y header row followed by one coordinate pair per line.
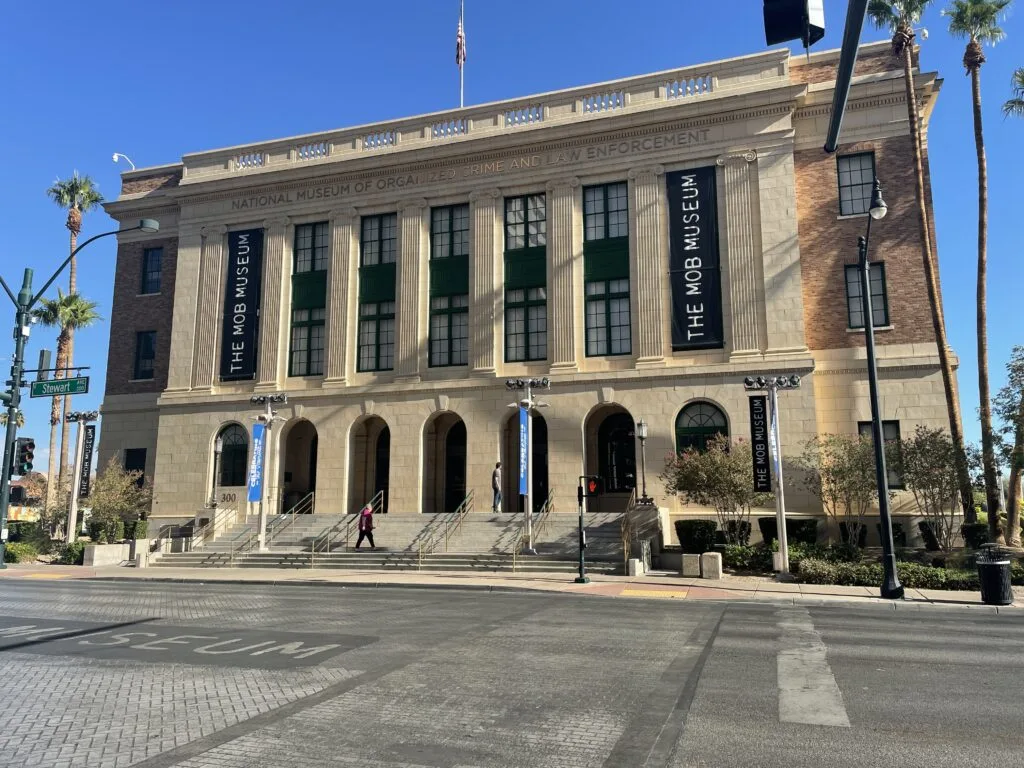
x,y
641,433
891,587
529,404
268,418
23,304
82,418
218,449
772,384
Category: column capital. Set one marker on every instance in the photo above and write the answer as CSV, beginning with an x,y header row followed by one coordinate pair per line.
x,y
418,203
484,195
569,181
646,170
214,230
348,212
277,221
749,156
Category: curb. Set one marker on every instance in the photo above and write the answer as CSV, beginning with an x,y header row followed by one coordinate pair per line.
x,y
788,600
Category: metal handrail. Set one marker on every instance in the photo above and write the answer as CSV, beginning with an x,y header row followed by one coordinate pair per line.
x,y
211,526
541,519
325,538
298,508
377,502
451,527
244,548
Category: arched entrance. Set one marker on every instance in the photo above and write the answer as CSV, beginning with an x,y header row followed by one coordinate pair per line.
x,y
610,435
444,463
299,467
370,463
511,500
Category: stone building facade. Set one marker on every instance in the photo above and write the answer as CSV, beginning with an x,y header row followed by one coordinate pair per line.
x,y
397,274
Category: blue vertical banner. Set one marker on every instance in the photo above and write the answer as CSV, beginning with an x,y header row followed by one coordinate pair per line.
x,y
524,451
256,465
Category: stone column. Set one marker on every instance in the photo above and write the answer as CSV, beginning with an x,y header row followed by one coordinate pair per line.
x,y
650,263
207,331
344,260
275,292
410,276
565,258
485,298
745,291
186,300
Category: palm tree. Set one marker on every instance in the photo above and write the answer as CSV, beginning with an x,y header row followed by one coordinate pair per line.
x,y
1015,105
978,21
78,195
899,18
68,312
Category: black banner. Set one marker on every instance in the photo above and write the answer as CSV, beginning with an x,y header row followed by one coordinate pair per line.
x,y
241,305
759,443
87,447
694,269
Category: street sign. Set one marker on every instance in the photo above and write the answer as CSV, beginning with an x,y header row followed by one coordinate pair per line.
x,y
56,387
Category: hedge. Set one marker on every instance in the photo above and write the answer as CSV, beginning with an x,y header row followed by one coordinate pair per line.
x,y
20,552
912,575
696,536
72,554
975,534
804,531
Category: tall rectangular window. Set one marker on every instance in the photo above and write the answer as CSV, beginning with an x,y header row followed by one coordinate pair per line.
x,y
307,353
449,330
856,180
608,331
891,438
152,265
855,295
145,354
312,246
379,242
135,461
377,336
449,231
605,211
526,305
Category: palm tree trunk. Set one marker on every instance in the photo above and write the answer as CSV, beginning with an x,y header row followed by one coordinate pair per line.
x,y
1016,467
935,298
988,454
65,429
52,477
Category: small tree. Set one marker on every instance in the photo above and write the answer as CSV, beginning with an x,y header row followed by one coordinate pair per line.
x,y
1009,408
720,477
840,470
929,471
117,496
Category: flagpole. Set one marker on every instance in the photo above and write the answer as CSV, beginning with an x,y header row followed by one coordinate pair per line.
x,y
462,25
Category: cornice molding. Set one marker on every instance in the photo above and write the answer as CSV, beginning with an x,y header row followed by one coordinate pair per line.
x,y
646,170
749,156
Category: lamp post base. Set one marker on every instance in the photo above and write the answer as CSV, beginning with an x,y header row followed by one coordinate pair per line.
x,y
582,580
891,587
529,551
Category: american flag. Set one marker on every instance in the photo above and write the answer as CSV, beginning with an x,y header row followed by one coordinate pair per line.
x,y
460,45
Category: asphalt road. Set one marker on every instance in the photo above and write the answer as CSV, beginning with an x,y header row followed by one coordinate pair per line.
x,y
201,675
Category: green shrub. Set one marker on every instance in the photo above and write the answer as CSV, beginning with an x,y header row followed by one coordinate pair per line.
x,y
743,557
115,531
975,534
737,532
769,529
141,529
912,575
862,535
899,535
696,536
802,531
20,552
931,542
72,554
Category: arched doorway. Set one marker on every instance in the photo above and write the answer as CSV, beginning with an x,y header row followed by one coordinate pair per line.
x,y
299,466
697,424
610,434
511,499
234,456
370,463
444,463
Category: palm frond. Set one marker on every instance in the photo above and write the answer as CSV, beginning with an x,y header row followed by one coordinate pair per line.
x,y
67,312
883,14
1015,104
977,19
79,192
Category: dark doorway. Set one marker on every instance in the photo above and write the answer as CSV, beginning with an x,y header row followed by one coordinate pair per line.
x,y
616,446
455,466
382,461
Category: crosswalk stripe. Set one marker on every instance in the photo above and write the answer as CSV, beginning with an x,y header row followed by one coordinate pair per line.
x,y
808,692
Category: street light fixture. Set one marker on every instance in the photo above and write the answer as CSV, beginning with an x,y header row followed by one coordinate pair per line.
x,y
641,433
528,404
23,304
772,384
891,587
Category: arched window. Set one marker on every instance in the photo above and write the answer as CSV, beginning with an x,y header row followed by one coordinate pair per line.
x,y
234,454
696,424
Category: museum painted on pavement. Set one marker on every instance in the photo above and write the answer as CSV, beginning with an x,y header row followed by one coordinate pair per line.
x,y
644,244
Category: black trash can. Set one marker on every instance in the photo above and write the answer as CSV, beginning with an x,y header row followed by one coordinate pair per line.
x,y
994,575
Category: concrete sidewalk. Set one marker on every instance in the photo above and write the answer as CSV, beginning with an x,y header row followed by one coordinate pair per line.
x,y
657,585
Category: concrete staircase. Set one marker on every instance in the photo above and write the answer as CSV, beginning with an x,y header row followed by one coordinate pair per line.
x,y
482,542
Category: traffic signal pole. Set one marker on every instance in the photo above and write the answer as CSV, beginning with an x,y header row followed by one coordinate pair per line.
x,y
12,397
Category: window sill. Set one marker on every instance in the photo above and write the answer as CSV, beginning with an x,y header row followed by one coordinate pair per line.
x,y
142,295
609,354
877,328
843,216
142,381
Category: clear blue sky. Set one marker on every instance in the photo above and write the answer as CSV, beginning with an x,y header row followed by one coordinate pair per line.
x,y
156,80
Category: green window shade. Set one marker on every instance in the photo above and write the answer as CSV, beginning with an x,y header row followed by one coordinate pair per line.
x,y
377,283
606,259
309,290
449,276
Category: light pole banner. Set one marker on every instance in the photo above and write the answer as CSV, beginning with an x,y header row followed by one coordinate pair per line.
x,y
87,448
773,442
256,466
524,451
759,443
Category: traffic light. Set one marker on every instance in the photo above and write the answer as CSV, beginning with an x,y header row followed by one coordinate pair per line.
x,y
786,20
24,453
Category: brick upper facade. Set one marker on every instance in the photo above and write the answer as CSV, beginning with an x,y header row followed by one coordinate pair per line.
x,y
131,313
